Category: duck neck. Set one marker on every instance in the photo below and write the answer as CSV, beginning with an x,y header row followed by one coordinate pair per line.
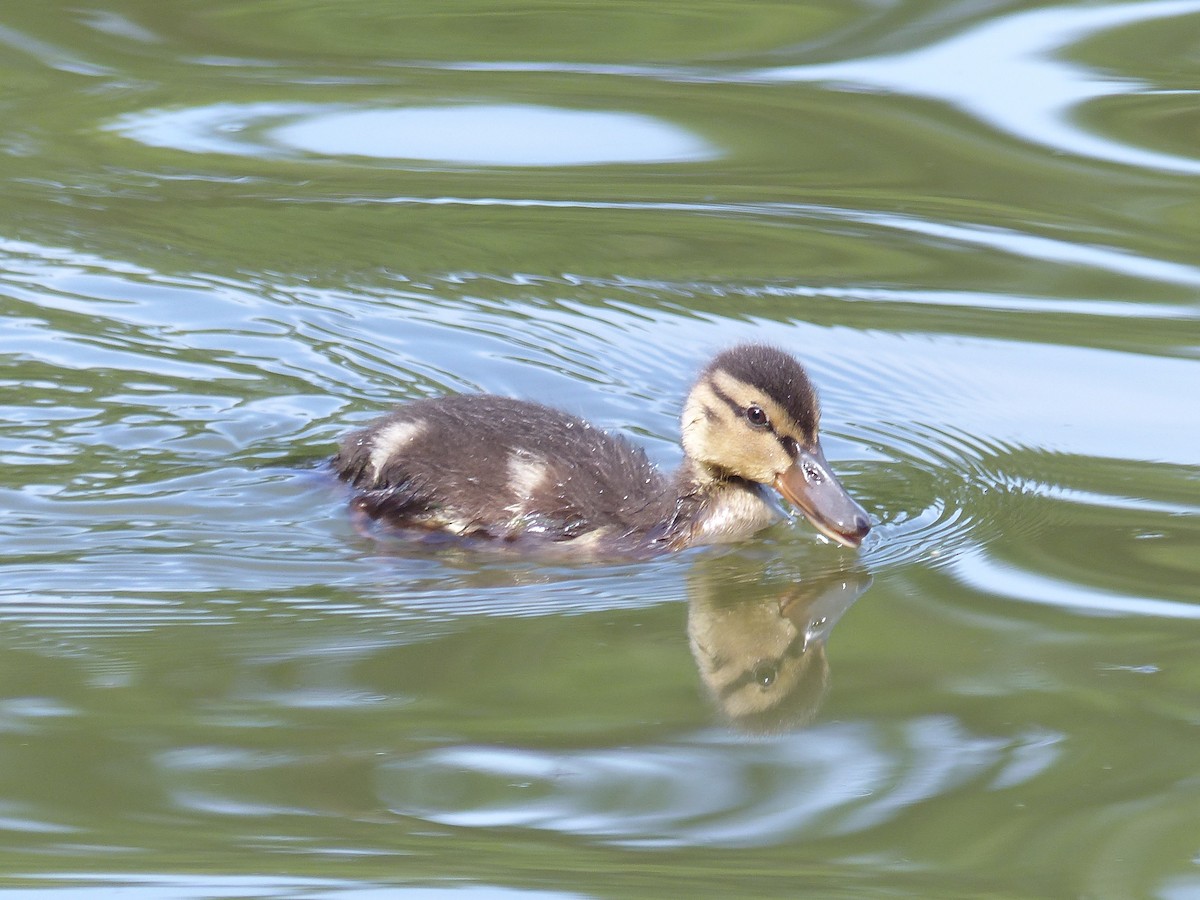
x,y
715,506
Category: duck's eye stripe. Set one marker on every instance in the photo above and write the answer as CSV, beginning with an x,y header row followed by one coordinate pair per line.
x,y
721,395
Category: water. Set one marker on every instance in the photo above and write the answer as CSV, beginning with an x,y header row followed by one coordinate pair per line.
x,y
231,232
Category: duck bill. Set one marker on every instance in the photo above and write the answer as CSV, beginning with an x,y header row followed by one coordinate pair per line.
x,y
811,487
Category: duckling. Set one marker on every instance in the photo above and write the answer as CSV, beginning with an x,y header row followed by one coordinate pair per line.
x,y
482,466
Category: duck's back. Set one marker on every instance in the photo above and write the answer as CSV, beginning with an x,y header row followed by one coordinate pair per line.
x,y
480,465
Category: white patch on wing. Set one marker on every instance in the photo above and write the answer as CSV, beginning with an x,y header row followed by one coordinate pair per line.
x,y
526,472
391,440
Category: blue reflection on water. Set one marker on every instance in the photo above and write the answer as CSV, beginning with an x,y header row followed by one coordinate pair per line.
x,y
1004,73
499,135
460,134
987,574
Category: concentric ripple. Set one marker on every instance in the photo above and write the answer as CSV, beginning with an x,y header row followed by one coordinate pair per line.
x,y
947,491
714,790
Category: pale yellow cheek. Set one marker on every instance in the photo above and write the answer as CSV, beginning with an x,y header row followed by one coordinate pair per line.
x,y
753,455
775,462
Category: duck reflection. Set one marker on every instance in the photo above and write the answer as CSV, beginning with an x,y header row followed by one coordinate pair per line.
x,y
759,641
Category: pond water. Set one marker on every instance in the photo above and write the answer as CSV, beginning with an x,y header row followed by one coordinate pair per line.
x,y
233,231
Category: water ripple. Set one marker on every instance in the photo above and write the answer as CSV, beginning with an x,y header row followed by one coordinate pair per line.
x,y
947,491
1025,245
1005,74
989,575
715,790
167,491
469,134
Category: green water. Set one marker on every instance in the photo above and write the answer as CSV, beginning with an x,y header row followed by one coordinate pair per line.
x,y
232,231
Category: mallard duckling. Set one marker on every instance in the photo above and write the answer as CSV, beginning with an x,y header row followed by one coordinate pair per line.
x,y
477,465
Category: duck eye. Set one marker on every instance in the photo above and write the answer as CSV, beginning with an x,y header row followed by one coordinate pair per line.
x,y
756,417
764,674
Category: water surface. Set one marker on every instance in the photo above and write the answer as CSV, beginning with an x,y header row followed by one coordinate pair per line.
x,y
232,232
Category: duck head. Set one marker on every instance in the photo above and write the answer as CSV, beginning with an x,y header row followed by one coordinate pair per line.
x,y
753,414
